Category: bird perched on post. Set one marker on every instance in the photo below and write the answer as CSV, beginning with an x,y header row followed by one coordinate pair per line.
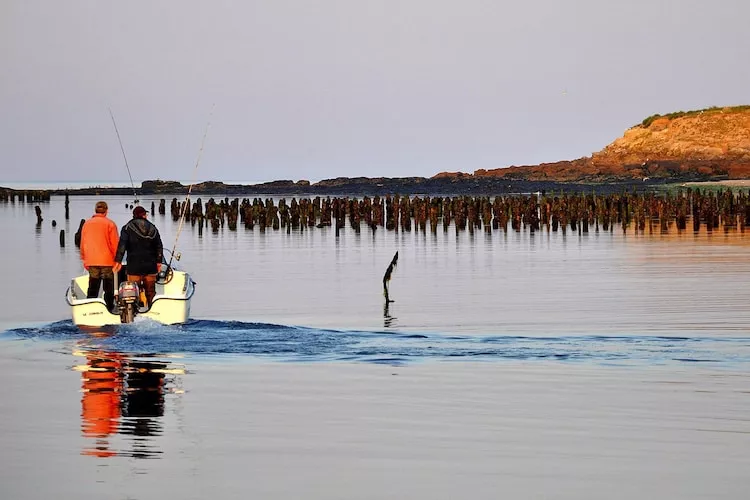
x,y
387,277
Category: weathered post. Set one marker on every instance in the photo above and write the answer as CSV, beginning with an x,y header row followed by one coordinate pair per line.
x,y
447,211
335,207
77,236
387,277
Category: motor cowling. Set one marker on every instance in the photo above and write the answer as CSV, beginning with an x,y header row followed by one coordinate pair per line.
x,y
128,291
127,298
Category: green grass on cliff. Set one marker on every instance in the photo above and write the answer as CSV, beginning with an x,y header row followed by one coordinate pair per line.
x,y
677,114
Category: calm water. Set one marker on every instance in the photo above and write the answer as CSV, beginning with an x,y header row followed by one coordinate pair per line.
x,y
550,365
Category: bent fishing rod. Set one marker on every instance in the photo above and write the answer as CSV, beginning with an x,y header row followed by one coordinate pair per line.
x,y
186,203
135,195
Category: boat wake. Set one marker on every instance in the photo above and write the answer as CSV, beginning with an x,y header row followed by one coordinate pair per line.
x,y
209,338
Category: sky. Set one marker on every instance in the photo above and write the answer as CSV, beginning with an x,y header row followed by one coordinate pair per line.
x,y
292,89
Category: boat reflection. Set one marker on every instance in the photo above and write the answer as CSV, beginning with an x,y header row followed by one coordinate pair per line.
x,y
123,399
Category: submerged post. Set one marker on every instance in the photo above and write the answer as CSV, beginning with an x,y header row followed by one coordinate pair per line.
x,y
387,277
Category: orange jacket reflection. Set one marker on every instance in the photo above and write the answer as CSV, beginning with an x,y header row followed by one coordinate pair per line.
x,y
100,404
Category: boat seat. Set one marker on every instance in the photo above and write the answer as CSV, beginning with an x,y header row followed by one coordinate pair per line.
x,y
79,288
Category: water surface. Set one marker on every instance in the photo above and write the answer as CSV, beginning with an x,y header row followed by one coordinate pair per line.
x,y
546,365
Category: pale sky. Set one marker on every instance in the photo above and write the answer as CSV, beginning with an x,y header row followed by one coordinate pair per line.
x,y
327,88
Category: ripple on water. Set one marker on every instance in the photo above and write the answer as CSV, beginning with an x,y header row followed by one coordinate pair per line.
x,y
282,342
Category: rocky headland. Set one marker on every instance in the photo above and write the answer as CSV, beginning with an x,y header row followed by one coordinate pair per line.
x,y
704,145
711,144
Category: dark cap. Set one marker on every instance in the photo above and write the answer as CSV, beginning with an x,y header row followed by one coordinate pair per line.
x,y
139,211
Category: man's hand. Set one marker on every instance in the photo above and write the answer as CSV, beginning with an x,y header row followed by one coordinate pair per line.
x,y
158,267
116,268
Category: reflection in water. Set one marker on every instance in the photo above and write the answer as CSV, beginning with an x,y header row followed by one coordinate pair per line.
x,y
123,396
388,320
100,404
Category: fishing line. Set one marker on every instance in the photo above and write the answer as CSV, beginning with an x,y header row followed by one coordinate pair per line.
x,y
186,205
135,195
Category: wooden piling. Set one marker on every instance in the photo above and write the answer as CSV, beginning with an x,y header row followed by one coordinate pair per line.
x,y
77,236
725,209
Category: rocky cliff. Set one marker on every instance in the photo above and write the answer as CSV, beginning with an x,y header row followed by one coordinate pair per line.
x,y
702,145
708,144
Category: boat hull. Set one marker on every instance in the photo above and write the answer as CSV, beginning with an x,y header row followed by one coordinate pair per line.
x,y
171,304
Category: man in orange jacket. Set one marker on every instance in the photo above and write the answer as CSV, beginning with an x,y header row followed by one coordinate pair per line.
x,y
98,246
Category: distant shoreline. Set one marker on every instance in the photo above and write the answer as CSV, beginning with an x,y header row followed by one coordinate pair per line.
x,y
729,183
361,186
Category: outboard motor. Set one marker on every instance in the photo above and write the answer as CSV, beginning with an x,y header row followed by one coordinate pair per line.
x,y
127,301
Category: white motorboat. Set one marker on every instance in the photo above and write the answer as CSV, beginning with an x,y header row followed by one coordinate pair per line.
x,y
174,288
171,304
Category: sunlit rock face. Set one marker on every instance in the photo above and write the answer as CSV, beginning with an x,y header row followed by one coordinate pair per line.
x,y
695,145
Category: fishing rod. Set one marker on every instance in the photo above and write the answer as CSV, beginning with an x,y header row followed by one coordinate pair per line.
x,y
135,195
186,205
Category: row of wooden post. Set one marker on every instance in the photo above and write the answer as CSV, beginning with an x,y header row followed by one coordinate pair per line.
x,y
31,196
577,212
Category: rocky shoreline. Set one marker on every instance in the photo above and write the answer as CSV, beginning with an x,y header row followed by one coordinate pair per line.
x,y
708,145
363,186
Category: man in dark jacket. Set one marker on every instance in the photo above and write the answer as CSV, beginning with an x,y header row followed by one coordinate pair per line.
x,y
141,241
